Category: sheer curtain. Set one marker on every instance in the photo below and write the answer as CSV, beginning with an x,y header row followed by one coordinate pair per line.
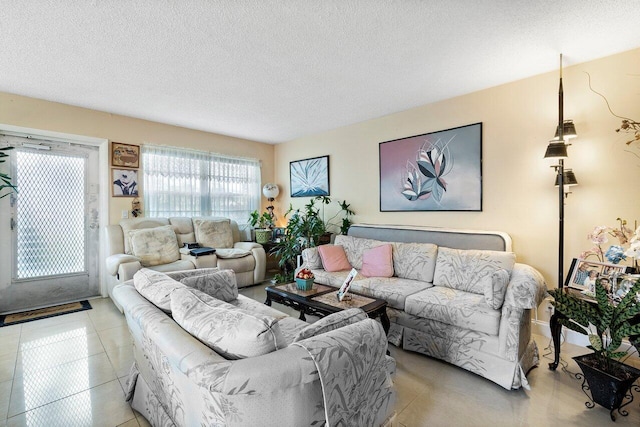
x,y
181,182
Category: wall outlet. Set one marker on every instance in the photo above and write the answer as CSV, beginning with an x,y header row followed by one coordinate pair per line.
x,y
125,214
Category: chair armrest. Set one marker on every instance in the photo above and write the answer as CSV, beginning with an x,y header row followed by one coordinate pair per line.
x,y
113,262
127,270
526,289
247,246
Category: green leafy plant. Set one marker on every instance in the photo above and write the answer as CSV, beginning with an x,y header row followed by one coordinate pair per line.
x,y
305,229
5,180
260,221
604,323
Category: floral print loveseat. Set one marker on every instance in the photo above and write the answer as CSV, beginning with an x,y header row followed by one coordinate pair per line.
x,y
205,355
455,295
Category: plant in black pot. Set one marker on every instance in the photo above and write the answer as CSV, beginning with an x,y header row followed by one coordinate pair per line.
x,y
606,324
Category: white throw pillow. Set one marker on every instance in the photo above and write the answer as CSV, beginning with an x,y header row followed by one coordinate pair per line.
x,y
213,233
332,322
219,284
155,246
495,288
156,287
232,333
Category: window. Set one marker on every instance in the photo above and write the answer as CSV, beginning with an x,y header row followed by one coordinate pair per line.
x,y
180,182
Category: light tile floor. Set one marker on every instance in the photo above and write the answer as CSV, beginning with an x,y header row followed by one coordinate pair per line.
x,y
70,371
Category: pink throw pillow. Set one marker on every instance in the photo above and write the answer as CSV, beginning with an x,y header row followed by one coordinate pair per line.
x,y
378,262
333,258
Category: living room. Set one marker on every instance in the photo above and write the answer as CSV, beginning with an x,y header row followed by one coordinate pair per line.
x,y
518,117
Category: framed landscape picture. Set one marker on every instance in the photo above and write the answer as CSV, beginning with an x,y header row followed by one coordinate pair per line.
x,y
309,177
437,171
125,155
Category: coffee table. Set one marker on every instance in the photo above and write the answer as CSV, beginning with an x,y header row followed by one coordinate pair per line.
x,y
322,300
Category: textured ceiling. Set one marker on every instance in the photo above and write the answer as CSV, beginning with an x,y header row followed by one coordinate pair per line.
x,y
272,71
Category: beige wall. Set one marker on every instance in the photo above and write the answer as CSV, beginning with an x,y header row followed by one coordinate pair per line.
x,y
518,193
39,114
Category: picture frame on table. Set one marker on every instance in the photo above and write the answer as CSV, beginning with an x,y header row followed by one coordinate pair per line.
x,y
309,177
125,155
583,274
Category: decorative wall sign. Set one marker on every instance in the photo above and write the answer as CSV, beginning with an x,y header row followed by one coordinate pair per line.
x,y
309,177
125,182
437,171
125,155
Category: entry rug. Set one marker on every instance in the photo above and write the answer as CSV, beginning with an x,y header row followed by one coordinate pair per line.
x,y
43,313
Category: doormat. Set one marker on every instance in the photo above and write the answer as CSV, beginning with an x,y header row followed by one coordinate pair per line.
x,y
43,313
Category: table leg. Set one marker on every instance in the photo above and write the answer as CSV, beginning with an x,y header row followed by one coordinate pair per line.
x,y
386,324
556,330
268,300
302,316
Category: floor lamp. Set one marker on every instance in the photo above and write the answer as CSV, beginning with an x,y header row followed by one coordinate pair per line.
x,y
557,149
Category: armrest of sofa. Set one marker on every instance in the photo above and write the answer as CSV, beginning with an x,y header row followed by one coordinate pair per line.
x,y
526,289
257,250
113,262
127,270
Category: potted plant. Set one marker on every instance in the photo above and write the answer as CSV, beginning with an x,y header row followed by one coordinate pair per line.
x,y
606,324
5,180
262,224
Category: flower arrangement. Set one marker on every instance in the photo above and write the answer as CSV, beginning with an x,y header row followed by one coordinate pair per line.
x,y
615,253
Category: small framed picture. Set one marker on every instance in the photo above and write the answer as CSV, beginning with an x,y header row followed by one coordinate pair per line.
x,y
125,182
584,273
125,155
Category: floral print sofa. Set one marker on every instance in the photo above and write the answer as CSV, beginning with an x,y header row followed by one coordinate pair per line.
x,y
204,355
456,295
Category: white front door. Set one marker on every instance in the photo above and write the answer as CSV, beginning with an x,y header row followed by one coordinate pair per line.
x,y
54,225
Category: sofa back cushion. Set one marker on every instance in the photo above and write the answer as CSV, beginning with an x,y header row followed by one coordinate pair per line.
x,y
137,224
333,258
215,233
355,247
464,269
156,287
155,246
231,332
415,261
220,284
378,261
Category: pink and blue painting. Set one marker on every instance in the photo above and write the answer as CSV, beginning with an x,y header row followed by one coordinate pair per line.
x,y
437,171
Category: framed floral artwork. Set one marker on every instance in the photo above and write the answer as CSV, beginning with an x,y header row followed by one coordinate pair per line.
x,y
125,155
437,171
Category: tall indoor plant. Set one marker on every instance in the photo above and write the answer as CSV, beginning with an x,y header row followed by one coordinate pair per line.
x,y
5,179
606,324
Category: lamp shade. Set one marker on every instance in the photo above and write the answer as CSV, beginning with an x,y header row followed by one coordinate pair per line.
x,y
568,178
568,131
270,191
556,150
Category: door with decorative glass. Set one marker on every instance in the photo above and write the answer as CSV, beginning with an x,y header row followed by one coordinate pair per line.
x,y
54,225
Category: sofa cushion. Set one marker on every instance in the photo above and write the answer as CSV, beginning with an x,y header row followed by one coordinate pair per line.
x,y
333,258
220,284
415,261
331,322
231,332
156,287
495,288
463,269
466,310
214,233
378,261
154,246
311,258
232,253
393,290
355,247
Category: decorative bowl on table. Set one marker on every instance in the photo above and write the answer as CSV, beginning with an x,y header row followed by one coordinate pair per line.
x,y
304,279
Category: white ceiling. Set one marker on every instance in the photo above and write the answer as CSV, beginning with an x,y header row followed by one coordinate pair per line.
x,y
276,70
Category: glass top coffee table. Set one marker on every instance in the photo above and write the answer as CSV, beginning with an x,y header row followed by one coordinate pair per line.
x,y
322,300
